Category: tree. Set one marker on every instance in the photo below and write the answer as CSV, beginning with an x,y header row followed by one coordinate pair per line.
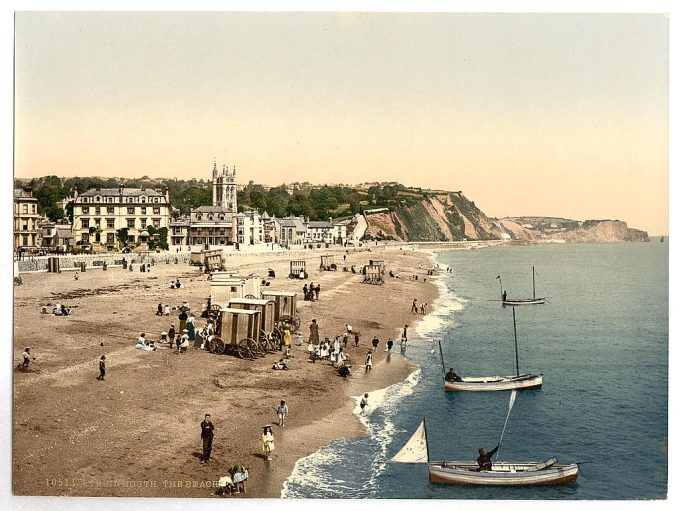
x,y
122,237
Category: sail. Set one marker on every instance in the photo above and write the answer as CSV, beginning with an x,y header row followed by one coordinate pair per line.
x,y
415,450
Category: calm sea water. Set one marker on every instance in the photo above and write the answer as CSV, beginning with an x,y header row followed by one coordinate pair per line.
x,y
601,343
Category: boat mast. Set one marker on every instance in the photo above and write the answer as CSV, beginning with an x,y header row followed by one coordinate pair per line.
x,y
533,280
514,326
442,357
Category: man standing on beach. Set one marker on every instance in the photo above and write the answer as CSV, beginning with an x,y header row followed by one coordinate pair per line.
x,y
414,307
207,433
102,368
404,334
364,402
375,342
356,338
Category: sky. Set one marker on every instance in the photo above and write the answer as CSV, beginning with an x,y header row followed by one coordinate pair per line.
x,y
528,114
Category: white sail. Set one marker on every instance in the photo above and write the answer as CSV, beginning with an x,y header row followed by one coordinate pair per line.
x,y
415,450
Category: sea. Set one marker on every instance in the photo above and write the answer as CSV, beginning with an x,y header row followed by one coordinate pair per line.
x,y
600,341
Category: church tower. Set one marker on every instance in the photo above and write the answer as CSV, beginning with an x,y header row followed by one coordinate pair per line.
x,y
224,188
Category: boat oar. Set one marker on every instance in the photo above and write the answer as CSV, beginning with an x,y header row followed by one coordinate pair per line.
x,y
512,402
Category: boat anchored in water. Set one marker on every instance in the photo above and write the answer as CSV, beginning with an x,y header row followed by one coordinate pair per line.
x,y
453,382
522,301
501,473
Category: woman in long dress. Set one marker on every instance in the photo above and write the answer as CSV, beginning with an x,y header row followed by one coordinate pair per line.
x,y
314,332
191,327
286,336
267,441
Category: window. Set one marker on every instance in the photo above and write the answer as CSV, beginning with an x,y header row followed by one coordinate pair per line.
x,y
97,199
142,222
131,211
97,211
25,238
85,223
156,211
34,208
131,223
143,200
210,217
85,237
25,226
110,223
142,210
109,211
156,222
86,210
85,200
110,237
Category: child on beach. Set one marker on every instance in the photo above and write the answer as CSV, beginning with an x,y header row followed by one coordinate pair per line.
x,y
369,361
281,411
364,402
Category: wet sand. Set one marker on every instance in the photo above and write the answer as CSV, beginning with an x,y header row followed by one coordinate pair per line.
x,y
137,433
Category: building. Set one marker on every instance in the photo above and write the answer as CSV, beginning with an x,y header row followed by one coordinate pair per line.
x,y
326,231
291,230
99,214
214,225
269,229
26,220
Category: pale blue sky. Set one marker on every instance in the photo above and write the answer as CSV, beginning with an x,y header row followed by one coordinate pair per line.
x,y
546,114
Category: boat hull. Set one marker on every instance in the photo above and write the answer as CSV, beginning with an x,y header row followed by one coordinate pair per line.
x,y
495,383
502,474
527,301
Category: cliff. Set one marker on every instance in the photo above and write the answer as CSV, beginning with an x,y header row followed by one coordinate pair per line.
x,y
450,216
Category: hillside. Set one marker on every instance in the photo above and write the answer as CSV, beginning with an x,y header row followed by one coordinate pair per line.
x,y
450,216
392,211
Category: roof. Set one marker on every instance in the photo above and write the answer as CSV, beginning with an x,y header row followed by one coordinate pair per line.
x,y
291,221
127,192
21,194
211,209
320,224
63,231
265,216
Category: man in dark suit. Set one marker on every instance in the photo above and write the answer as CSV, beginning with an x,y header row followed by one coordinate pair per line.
x,y
207,434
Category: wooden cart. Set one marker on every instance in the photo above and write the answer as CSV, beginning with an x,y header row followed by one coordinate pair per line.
x,y
270,335
298,270
237,332
373,275
285,310
328,263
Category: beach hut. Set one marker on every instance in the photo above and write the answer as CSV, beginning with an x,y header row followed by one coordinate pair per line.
x,y
298,270
237,332
328,263
378,262
286,306
268,331
373,274
224,286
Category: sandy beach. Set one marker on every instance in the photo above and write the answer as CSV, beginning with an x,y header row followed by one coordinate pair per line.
x,y
137,433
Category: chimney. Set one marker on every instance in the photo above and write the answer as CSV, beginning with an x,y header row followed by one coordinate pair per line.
x,y
29,191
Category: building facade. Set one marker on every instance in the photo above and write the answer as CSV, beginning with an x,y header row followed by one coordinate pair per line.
x,y
98,214
26,220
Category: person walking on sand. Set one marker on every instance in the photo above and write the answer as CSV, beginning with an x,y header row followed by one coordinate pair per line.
x,y
414,307
314,332
375,342
364,402
171,335
422,308
404,334
356,339
183,342
191,328
267,441
159,310
182,319
390,343
207,434
27,357
286,336
282,411
102,368
317,290
369,361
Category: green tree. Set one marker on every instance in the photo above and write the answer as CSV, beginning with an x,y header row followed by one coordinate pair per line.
x,y
122,237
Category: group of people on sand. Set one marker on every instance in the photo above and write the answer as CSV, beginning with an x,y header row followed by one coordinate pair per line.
x,y
416,309
311,293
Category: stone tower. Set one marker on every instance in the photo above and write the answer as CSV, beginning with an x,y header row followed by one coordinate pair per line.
x,y
224,188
